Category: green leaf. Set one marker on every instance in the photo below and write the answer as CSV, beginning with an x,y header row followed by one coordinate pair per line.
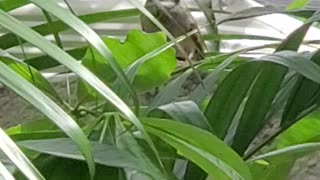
x,y
29,73
49,108
304,131
54,168
8,5
126,142
187,112
304,95
10,149
271,170
297,4
223,106
11,40
104,154
26,33
201,92
152,73
250,13
168,93
294,40
265,10
261,96
92,38
38,129
265,90
238,37
5,173
46,62
289,153
201,147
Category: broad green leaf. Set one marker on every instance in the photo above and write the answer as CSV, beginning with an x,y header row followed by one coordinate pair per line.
x,y
10,39
26,33
238,37
223,106
132,70
29,73
49,108
201,147
151,73
187,112
11,150
297,4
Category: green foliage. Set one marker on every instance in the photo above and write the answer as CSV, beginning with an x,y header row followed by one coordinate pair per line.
x,y
151,74
200,134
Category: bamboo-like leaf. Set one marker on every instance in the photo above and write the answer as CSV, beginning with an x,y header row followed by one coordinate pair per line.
x,y
261,98
201,92
128,143
83,29
29,73
46,62
223,106
49,108
12,151
4,173
260,11
187,112
65,59
104,154
237,37
201,147
10,39
289,153
168,93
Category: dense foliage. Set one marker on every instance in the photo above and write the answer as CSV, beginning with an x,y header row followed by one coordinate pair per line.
x,y
110,132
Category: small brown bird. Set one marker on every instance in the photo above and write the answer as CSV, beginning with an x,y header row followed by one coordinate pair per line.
x,y
177,19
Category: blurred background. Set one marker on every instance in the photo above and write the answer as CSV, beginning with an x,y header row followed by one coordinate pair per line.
x,y
270,25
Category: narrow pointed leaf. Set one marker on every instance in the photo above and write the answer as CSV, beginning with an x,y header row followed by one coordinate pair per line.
x,y
223,106
92,37
49,108
12,151
65,59
201,147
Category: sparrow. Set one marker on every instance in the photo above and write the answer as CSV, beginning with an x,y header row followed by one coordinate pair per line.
x,y
177,19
